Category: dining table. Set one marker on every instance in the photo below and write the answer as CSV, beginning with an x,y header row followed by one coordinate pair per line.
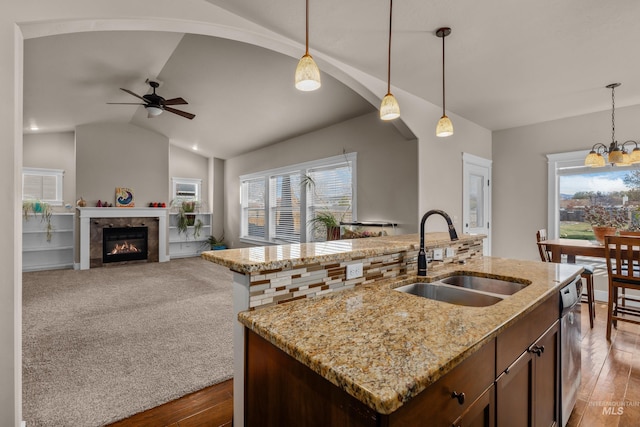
x,y
572,248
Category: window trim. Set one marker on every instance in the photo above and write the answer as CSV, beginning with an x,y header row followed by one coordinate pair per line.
x,y
58,173
301,168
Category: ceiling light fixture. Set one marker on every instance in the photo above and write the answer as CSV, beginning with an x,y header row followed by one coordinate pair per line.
x,y
389,108
444,127
617,154
307,72
153,110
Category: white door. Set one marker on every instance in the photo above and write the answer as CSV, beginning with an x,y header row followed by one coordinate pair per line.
x,y
476,197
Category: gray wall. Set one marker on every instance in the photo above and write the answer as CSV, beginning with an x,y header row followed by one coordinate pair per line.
x,y
387,168
53,151
110,155
187,164
520,172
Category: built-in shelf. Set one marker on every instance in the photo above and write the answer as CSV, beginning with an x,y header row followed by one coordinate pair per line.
x,y
38,253
182,245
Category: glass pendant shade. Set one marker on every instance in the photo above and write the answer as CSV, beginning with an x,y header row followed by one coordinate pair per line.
x,y
615,156
635,155
592,159
626,160
444,127
307,74
602,162
389,109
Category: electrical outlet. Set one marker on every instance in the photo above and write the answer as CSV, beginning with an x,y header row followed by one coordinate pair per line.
x,y
438,254
450,252
354,270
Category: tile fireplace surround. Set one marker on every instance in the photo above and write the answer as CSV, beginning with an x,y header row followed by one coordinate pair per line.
x,y
87,214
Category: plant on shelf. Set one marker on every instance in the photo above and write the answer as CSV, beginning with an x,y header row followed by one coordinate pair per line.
x,y
187,218
326,221
43,209
215,243
605,221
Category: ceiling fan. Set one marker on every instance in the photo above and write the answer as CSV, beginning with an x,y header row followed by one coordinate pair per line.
x,y
155,104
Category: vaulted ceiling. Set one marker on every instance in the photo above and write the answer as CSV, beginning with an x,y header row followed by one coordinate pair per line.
x,y
509,63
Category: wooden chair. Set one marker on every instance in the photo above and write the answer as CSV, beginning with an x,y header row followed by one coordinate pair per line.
x,y
587,275
623,267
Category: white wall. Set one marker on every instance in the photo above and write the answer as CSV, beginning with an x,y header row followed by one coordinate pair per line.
x,y
520,172
387,181
54,151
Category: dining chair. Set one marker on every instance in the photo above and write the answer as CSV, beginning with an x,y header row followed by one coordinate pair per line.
x,y
587,275
623,291
623,268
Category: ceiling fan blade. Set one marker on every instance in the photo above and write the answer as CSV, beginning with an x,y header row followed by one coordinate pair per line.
x,y
131,93
180,113
175,101
125,103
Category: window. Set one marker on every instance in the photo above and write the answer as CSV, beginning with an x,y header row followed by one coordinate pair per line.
x,y
277,204
186,189
42,184
572,186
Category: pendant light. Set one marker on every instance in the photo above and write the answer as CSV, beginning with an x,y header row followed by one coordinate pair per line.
x,y
389,108
617,154
444,127
307,76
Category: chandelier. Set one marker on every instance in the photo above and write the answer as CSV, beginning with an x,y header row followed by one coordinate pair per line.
x,y
617,154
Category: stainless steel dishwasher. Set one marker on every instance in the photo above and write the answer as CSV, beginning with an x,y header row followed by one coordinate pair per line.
x,y
570,351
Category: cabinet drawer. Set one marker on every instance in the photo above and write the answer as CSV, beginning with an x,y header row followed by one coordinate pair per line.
x,y
437,403
518,337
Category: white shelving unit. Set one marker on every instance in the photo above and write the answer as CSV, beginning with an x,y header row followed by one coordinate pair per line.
x,y
40,254
182,245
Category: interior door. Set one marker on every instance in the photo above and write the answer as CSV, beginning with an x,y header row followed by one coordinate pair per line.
x,y
476,197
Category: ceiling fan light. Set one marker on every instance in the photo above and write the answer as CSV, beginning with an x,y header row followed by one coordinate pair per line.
x,y
444,127
153,110
307,77
389,108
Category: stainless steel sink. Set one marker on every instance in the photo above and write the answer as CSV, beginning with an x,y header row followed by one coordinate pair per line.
x,y
451,294
485,284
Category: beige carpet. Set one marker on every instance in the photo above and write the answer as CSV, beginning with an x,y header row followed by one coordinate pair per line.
x,y
100,345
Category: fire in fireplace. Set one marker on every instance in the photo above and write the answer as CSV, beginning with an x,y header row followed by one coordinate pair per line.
x,y
124,244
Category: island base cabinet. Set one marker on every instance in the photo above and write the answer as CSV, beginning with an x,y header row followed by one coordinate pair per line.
x,y
527,391
280,391
481,413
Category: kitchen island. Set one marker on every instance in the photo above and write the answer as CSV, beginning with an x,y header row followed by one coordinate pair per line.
x,y
384,348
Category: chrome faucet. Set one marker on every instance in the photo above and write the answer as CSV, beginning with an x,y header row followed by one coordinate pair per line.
x,y
422,256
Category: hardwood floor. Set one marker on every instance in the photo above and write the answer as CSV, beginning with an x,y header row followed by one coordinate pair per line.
x,y
610,391
210,407
609,394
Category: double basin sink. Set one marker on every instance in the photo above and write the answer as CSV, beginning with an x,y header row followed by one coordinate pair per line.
x,y
463,289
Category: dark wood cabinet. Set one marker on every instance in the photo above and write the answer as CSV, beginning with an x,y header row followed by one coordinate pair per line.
x,y
524,357
527,391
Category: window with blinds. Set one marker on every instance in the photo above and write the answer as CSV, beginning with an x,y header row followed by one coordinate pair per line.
x,y
253,208
278,205
42,184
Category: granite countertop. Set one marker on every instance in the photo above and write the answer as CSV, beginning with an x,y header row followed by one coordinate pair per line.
x,y
261,258
384,347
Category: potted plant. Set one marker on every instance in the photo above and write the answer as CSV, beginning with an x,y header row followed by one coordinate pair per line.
x,y
187,218
326,221
38,207
605,221
216,243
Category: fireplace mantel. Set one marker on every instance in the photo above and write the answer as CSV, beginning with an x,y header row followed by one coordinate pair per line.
x,y
85,222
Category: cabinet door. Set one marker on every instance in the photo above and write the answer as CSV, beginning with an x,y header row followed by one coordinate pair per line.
x,y
481,413
546,380
514,393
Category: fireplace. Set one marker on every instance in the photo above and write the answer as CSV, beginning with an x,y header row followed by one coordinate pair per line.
x,y
124,244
